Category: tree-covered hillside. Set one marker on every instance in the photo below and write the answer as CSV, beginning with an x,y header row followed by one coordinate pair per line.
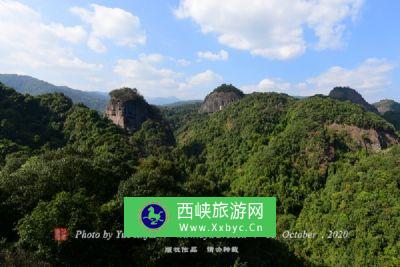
x,y
362,198
331,165
180,114
274,145
55,154
394,118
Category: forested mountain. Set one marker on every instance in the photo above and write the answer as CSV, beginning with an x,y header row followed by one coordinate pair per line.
x,y
332,166
393,117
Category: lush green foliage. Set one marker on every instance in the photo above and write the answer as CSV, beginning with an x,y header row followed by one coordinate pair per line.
x,y
231,147
225,88
362,198
30,121
66,165
74,211
271,144
180,115
125,94
394,118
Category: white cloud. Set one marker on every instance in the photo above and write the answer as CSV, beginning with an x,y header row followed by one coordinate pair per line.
x,y
269,84
150,78
42,49
370,77
74,34
208,55
274,28
143,70
182,62
207,78
115,24
152,58
28,42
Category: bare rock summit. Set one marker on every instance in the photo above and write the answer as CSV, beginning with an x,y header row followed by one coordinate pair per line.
x,y
128,109
220,98
348,94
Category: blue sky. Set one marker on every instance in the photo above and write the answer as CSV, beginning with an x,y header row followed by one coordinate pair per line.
x,y
185,48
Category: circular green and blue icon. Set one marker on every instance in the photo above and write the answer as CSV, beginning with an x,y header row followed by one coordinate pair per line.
x,y
153,216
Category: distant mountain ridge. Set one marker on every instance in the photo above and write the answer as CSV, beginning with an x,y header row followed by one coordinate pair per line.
x,y
183,103
390,110
386,105
29,85
94,100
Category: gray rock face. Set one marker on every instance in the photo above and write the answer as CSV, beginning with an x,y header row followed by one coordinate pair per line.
x,y
220,98
127,109
370,139
348,94
386,105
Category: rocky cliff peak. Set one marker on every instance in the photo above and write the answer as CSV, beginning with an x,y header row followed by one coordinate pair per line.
x,y
220,98
348,94
127,108
386,105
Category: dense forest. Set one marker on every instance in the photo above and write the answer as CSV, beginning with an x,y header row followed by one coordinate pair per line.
x,y
65,164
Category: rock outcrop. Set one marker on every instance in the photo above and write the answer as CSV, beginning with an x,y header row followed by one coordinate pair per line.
x,y
386,105
348,94
128,109
370,139
220,98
